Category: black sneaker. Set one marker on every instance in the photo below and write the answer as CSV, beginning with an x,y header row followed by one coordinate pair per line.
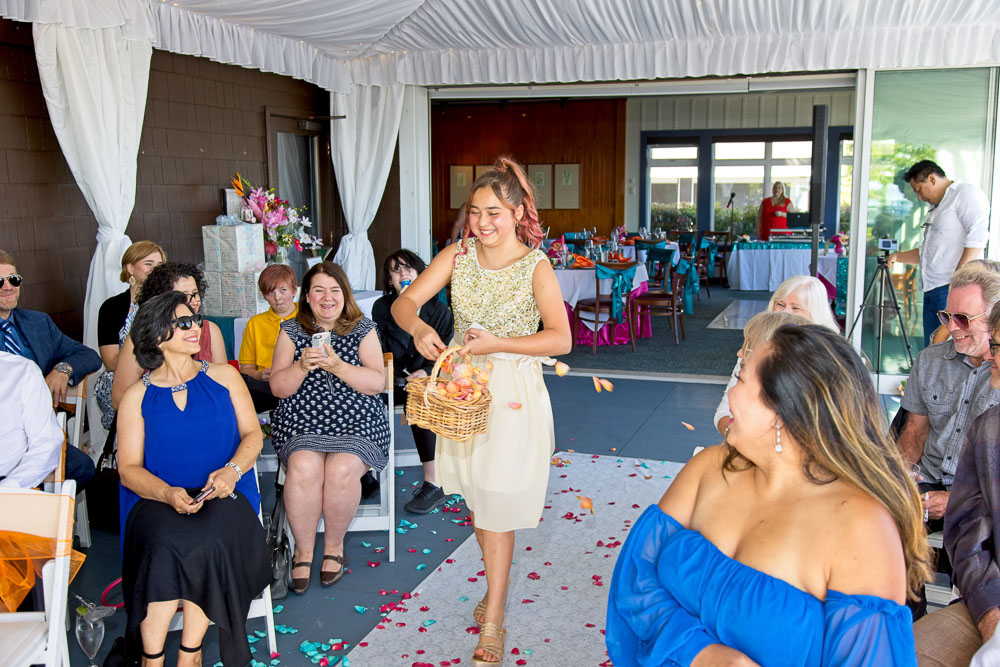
x,y
425,499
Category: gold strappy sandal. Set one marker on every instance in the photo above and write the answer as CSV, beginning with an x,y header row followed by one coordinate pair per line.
x,y
490,631
479,612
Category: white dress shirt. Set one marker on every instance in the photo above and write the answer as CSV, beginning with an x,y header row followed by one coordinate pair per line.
x,y
959,221
30,437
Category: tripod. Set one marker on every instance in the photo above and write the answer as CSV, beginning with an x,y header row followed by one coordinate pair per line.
x,y
883,280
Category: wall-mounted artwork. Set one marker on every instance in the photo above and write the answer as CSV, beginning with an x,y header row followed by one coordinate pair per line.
x,y
461,183
566,185
540,176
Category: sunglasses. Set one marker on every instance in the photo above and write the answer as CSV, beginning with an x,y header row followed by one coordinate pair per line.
x,y
961,319
185,322
14,279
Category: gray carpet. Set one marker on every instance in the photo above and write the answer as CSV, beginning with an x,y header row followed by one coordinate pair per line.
x,y
704,351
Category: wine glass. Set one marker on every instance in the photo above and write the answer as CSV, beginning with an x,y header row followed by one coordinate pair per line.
x,y
90,635
588,246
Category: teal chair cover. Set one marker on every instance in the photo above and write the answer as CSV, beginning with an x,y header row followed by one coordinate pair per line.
x,y
713,249
686,238
691,288
621,285
655,255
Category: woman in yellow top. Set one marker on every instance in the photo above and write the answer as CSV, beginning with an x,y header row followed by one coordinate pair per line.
x,y
278,284
501,286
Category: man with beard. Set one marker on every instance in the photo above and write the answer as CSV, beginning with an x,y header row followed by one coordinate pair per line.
x,y
949,386
963,633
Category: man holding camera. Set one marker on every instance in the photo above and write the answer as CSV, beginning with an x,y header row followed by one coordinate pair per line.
x,y
955,232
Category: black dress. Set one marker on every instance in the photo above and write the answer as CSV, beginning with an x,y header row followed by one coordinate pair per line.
x,y
328,415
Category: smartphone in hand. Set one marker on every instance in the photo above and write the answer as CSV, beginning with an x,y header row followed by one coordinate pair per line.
x,y
320,339
204,494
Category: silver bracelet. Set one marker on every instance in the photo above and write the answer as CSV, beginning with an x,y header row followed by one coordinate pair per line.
x,y
239,472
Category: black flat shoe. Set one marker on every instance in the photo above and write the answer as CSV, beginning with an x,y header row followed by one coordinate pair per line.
x,y
327,579
301,585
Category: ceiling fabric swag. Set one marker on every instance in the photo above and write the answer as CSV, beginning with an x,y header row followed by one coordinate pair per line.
x,y
94,82
362,148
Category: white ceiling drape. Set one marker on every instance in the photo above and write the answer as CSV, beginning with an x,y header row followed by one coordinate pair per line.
x,y
362,149
339,43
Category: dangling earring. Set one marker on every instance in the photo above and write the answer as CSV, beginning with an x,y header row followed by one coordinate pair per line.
x,y
778,448
131,281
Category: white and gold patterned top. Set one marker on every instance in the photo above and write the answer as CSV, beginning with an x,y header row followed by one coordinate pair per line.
x,y
503,300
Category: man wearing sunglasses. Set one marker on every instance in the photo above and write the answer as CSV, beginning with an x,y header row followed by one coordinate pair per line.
x,y
955,232
949,386
964,632
64,361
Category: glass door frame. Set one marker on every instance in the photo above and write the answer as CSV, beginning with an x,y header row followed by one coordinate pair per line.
x,y
886,383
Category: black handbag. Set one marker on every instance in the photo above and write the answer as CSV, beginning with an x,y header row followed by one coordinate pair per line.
x,y
102,490
279,549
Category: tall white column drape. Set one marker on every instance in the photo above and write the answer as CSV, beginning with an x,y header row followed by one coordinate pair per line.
x,y
363,145
94,82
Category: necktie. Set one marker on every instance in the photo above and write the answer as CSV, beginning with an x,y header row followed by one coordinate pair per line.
x,y
9,343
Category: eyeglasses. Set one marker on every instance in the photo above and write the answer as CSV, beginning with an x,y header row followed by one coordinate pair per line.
x,y
14,279
961,319
185,322
993,349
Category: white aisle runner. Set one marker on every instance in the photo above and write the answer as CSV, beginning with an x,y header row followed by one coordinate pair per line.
x,y
559,581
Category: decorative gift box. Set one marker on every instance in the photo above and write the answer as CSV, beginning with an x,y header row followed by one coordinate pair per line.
x,y
233,249
233,294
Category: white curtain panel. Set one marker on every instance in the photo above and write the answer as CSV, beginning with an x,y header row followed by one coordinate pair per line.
x,y
94,82
363,145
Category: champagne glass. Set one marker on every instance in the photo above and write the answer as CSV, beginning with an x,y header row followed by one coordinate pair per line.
x,y
90,635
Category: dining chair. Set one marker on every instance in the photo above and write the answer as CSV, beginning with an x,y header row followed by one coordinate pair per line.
x,y
615,305
665,303
659,264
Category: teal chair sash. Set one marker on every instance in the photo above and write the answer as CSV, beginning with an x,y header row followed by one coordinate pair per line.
x,y
691,288
657,255
621,285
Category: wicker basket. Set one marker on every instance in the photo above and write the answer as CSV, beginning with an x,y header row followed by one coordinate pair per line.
x,y
456,420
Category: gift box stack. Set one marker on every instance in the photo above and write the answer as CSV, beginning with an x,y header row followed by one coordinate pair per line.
x,y
234,258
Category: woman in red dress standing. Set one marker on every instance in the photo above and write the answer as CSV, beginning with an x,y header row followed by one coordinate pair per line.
x,y
773,212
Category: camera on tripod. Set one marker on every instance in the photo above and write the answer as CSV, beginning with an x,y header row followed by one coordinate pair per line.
x,y
888,245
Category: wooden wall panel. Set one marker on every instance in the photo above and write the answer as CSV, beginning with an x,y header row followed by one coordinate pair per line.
x,y
588,132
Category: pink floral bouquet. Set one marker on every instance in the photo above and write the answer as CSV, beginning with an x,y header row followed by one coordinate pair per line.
x,y
284,226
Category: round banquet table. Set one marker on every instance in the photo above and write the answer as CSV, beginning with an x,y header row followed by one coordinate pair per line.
x,y
577,284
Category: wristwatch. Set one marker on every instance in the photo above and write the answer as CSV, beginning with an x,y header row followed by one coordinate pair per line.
x,y
63,367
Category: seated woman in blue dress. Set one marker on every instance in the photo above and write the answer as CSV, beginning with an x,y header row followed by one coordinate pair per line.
x,y
794,543
187,441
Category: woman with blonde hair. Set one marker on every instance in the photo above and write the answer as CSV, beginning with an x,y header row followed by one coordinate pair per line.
x,y
114,319
773,211
802,295
794,542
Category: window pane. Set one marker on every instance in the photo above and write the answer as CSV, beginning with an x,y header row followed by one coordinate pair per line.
x,y
847,148
739,150
939,115
792,149
674,153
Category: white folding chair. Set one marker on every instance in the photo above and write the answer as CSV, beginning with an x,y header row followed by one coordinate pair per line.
x,y
259,607
39,637
372,517
76,405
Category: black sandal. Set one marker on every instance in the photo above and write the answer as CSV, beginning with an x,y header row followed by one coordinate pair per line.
x,y
327,579
157,656
197,649
301,584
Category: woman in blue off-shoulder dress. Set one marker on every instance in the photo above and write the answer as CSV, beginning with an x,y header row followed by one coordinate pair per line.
x,y
796,542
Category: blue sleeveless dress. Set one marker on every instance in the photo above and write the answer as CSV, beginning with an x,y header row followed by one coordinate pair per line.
x,y
217,557
673,593
183,447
